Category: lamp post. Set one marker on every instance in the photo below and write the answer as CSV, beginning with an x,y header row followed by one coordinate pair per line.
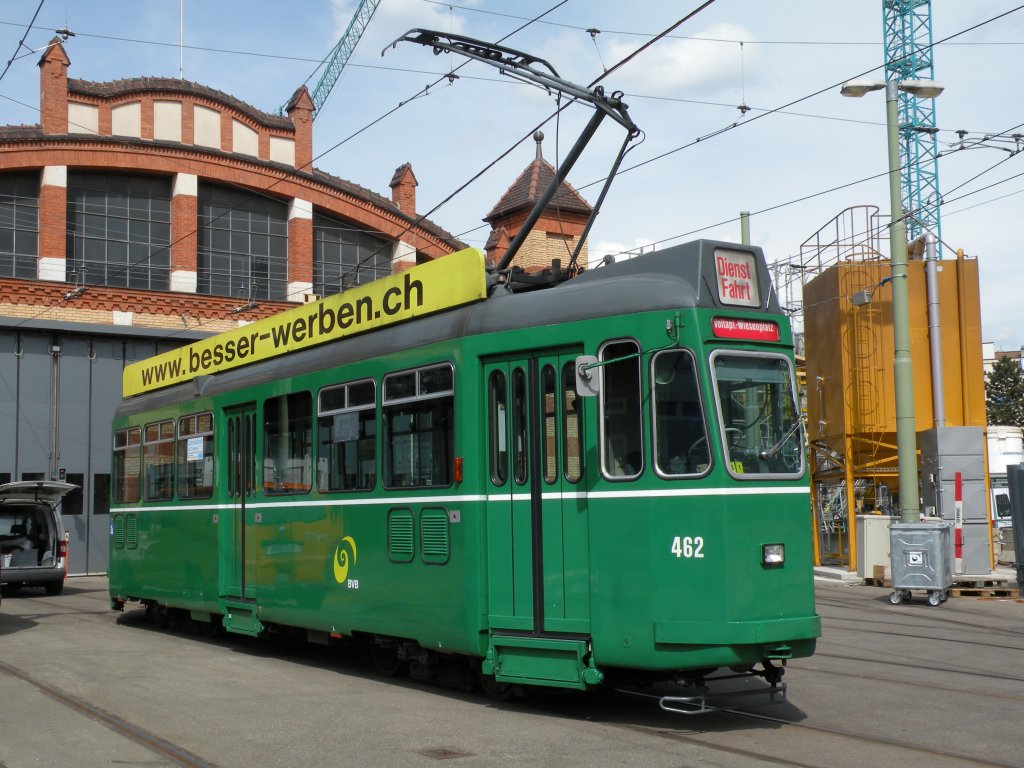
x,y
903,371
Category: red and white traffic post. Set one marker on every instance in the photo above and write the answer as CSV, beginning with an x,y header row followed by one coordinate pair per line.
x,y
958,524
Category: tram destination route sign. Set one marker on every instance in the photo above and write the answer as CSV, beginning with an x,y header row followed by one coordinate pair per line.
x,y
445,283
736,278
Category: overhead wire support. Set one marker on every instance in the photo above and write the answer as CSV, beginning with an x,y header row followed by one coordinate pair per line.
x,y
528,68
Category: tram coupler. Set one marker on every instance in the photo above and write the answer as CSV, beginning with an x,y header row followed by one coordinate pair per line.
x,y
703,700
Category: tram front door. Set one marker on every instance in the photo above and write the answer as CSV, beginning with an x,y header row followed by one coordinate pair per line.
x,y
537,521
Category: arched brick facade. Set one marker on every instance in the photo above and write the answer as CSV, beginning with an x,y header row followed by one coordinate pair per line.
x,y
176,150
194,135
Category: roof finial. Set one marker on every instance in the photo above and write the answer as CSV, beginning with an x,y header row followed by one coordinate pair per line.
x,y
539,137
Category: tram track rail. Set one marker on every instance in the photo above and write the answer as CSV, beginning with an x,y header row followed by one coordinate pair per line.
x,y
902,681
173,753
938,615
910,635
882,741
697,738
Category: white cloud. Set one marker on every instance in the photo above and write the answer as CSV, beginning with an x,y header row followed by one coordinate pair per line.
x,y
673,66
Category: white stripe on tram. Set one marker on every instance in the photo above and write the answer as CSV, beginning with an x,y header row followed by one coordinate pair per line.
x,y
466,498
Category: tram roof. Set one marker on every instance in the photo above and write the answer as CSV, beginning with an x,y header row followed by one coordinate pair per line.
x,y
679,277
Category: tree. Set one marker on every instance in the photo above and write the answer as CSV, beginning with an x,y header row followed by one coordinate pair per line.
x,y
1004,393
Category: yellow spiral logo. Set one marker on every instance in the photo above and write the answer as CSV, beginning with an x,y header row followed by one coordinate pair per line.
x,y
341,559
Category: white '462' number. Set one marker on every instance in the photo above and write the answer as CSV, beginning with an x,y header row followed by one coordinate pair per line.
x,y
688,546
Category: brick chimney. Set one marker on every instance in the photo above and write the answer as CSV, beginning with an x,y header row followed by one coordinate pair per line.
x,y
53,88
496,246
300,109
403,189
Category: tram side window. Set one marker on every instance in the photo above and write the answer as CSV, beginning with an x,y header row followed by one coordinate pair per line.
x,y
158,461
680,435
288,443
549,414
520,446
127,462
572,425
419,428
347,434
497,398
195,456
622,454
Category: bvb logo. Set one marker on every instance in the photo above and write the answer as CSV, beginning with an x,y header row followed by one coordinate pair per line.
x,y
341,559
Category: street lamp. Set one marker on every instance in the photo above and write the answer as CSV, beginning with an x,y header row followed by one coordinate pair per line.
x,y
903,371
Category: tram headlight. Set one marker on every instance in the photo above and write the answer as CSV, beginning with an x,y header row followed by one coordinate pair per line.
x,y
773,555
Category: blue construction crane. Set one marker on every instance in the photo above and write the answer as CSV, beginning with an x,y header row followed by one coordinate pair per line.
x,y
908,56
335,62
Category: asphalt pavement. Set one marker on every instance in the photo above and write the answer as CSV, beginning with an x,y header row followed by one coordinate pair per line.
x,y
84,686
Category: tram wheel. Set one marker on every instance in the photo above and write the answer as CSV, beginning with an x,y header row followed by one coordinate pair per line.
x,y
385,661
158,615
495,690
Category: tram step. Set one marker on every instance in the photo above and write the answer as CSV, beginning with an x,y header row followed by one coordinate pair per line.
x,y
540,661
241,618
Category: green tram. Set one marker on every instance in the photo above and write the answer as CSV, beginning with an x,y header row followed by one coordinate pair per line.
x,y
599,482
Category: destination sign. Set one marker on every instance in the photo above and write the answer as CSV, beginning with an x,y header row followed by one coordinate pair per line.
x,y
746,330
736,277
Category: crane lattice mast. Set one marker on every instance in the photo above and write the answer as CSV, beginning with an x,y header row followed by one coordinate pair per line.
x,y
336,60
908,56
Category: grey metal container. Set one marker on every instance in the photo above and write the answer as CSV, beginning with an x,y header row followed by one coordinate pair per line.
x,y
922,558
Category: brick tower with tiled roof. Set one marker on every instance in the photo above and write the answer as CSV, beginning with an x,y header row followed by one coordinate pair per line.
x,y
557,231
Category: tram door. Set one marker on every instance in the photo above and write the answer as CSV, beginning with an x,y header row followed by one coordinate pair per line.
x,y
537,520
239,480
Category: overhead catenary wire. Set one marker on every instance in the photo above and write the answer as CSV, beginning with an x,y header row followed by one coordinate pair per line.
x,y
558,111
744,122
697,38
468,9
424,91
747,121
22,41
821,193
777,109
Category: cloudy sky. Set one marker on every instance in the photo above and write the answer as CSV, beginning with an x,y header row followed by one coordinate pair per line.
x,y
687,178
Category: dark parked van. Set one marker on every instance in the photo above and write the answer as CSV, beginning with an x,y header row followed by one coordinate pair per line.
x,y
33,544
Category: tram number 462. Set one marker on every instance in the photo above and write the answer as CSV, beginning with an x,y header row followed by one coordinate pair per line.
x,y
688,546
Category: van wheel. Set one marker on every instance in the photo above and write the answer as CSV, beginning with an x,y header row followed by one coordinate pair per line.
x,y
54,587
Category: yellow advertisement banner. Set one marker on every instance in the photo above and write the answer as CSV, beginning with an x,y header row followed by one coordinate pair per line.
x,y
444,283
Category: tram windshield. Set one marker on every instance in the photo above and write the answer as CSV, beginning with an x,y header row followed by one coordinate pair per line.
x,y
759,419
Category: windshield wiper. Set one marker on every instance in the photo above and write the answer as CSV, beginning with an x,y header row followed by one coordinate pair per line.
x,y
782,441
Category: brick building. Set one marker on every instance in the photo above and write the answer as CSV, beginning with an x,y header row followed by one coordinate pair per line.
x,y
142,214
556,232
